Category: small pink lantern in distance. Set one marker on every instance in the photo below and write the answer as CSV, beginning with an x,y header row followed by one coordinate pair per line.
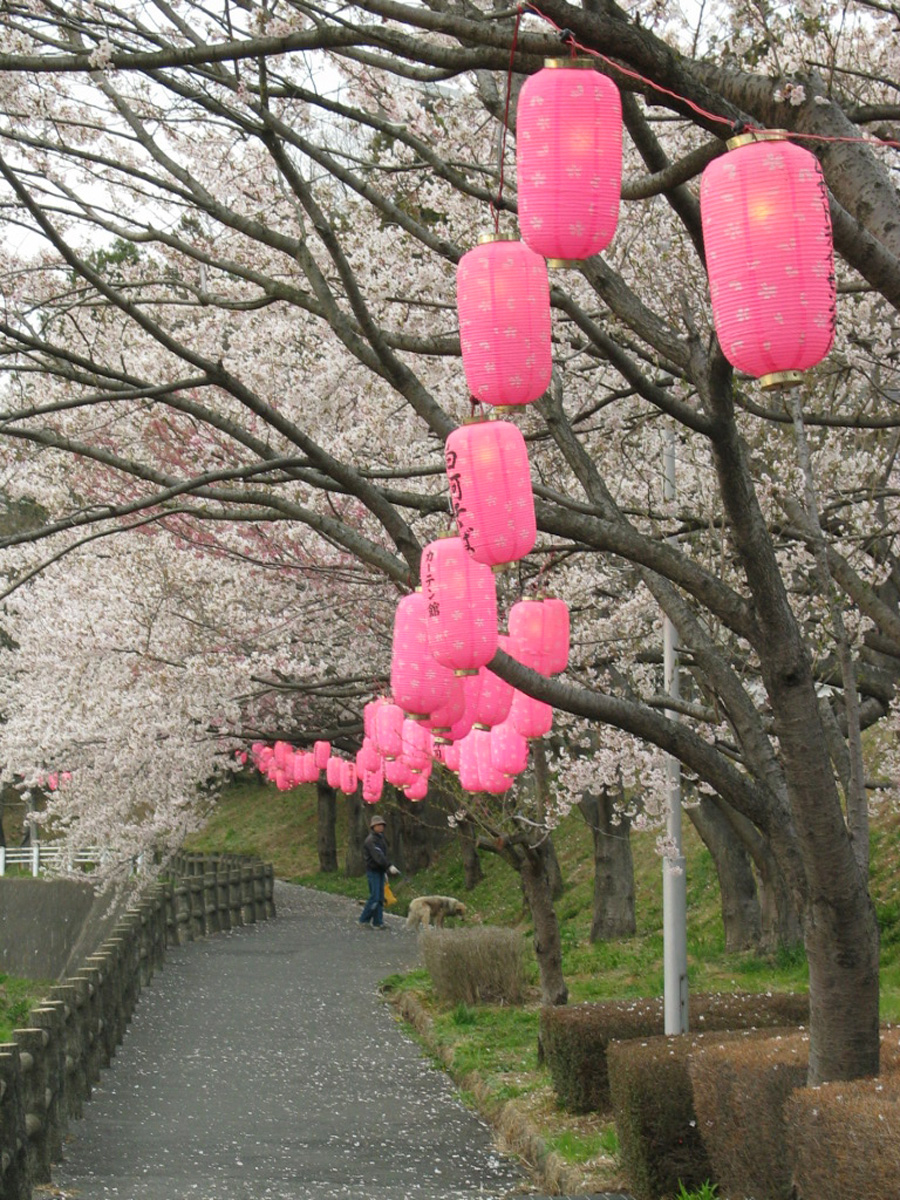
x,y
462,606
509,750
322,751
442,719
333,772
770,257
568,160
349,779
419,683
530,717
503,304
490,489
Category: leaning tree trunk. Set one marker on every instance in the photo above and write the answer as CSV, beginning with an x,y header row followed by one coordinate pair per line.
x,y
547,943
741,915
613,904
541,778
326,834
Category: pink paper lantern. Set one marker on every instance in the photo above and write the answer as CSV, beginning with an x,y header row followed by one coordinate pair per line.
x,y
770,258
503,302
462,606
417,746
367,756
490,489
556,635
388,737
490,695
322,751
282,752
447,753
444,717
509,750
349,779
529,717
568,160
539,634
333,772
418,789
419,683
469,775
397,772
373,785
490,779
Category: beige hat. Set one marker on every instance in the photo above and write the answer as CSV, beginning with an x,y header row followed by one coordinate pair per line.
x,y
376,820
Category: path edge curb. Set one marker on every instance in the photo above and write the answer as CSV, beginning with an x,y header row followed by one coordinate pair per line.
x,y
517,1131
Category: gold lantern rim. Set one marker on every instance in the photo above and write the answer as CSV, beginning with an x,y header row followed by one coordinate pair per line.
x,y
757,135
485,239
580,63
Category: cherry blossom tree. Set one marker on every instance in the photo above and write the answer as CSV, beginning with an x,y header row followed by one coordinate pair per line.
x,y
227,285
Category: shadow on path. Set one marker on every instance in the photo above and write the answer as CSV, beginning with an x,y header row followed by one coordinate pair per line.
x,y
261,1065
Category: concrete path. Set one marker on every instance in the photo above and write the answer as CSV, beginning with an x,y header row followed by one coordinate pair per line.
x,y
261,1065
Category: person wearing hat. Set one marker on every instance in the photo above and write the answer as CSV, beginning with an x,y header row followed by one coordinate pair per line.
x,y
378,865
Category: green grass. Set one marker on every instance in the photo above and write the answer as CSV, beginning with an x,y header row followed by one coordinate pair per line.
x,y
17,998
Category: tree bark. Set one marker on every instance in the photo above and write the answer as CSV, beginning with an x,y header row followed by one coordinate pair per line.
x,y
326,835
357,830
468,846
547,944
541,779
741,916
613,901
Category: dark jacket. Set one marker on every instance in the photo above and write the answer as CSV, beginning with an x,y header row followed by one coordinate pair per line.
x,y
375,853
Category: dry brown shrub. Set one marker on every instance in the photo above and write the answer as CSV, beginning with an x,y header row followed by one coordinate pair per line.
x,y
845,1139
574,1038
740,1089
472,966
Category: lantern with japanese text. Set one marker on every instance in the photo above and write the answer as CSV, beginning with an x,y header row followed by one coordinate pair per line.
x,y
490,489
462,606
770,258
419,683
348,777
447,753
503,303
568,160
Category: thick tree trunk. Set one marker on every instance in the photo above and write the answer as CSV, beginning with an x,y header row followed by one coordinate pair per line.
x,y
741,915
326,835
613,903
411,835
468,847
547,944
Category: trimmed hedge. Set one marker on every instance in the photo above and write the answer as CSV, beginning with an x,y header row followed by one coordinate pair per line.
x,y
845,1138
574,1039
740,1089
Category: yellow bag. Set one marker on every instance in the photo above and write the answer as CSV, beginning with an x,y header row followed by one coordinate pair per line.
x,y
389,897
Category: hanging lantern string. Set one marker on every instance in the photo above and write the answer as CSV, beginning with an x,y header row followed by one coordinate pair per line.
x,y
495,206
737,127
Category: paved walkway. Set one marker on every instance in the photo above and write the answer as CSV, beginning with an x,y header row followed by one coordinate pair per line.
x,y
261,1065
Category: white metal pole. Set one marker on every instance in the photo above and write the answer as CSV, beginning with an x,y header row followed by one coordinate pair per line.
x,y
674,879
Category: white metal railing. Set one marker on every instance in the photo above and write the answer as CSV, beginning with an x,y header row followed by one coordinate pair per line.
x,y
47,854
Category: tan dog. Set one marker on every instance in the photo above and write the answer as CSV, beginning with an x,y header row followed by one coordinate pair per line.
x,y
425,909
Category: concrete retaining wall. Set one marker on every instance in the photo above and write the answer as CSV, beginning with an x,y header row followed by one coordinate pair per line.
x,y
48,1069
40,923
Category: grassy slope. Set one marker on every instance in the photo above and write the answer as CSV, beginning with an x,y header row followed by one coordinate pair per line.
x,y
500,1044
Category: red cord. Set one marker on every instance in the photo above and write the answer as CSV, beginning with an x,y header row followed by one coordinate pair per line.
x,y
509,74
575,45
